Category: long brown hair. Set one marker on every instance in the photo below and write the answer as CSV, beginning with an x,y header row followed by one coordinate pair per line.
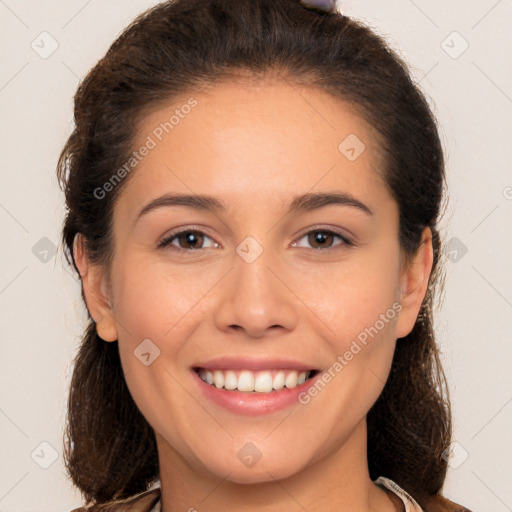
x,y
177,47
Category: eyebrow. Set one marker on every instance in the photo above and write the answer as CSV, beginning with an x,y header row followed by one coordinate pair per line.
x,y
306,202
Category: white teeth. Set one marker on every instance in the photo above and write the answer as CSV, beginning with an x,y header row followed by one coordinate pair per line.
x,y
279,381
218,379
246,381
230,380
261,382
291,380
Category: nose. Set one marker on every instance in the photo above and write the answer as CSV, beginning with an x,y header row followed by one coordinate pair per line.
x,y
257,299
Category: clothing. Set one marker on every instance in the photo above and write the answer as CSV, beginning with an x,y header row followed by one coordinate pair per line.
x,y
408,501
149,501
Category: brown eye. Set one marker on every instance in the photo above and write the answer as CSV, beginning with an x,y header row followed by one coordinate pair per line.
x,y
320,239
188,240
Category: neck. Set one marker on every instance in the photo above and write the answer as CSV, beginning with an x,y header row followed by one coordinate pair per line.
x,y
337,481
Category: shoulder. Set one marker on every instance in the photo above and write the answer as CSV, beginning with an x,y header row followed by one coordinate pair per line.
x,y
143,502
426,503
439,503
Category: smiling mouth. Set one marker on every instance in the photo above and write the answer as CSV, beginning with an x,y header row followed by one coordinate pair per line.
x,y
261,381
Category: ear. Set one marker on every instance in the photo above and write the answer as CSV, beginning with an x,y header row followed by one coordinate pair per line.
x,y
95,292
413,285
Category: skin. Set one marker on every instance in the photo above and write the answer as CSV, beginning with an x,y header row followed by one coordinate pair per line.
x,y
256,148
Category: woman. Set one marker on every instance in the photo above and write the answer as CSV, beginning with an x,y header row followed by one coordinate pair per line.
x,y
253,191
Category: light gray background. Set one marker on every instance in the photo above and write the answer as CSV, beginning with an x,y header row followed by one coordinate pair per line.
x,y
41,313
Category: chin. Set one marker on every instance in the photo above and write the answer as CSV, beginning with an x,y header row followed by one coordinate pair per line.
x,y
260,473
264,469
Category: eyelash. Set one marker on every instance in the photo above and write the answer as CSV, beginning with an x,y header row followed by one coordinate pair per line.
x,y
346,242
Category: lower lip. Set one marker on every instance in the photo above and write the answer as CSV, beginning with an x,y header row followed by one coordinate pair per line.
x,y
253,403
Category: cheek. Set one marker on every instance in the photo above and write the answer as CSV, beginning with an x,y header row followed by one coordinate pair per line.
x,y
353,298
153,300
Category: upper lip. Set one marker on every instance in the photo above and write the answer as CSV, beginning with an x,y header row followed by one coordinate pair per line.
x,y
243,363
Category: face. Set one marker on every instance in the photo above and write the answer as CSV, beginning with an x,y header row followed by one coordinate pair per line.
x,y
261,281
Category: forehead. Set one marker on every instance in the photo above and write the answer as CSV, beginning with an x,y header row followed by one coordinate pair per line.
x,y
263,138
